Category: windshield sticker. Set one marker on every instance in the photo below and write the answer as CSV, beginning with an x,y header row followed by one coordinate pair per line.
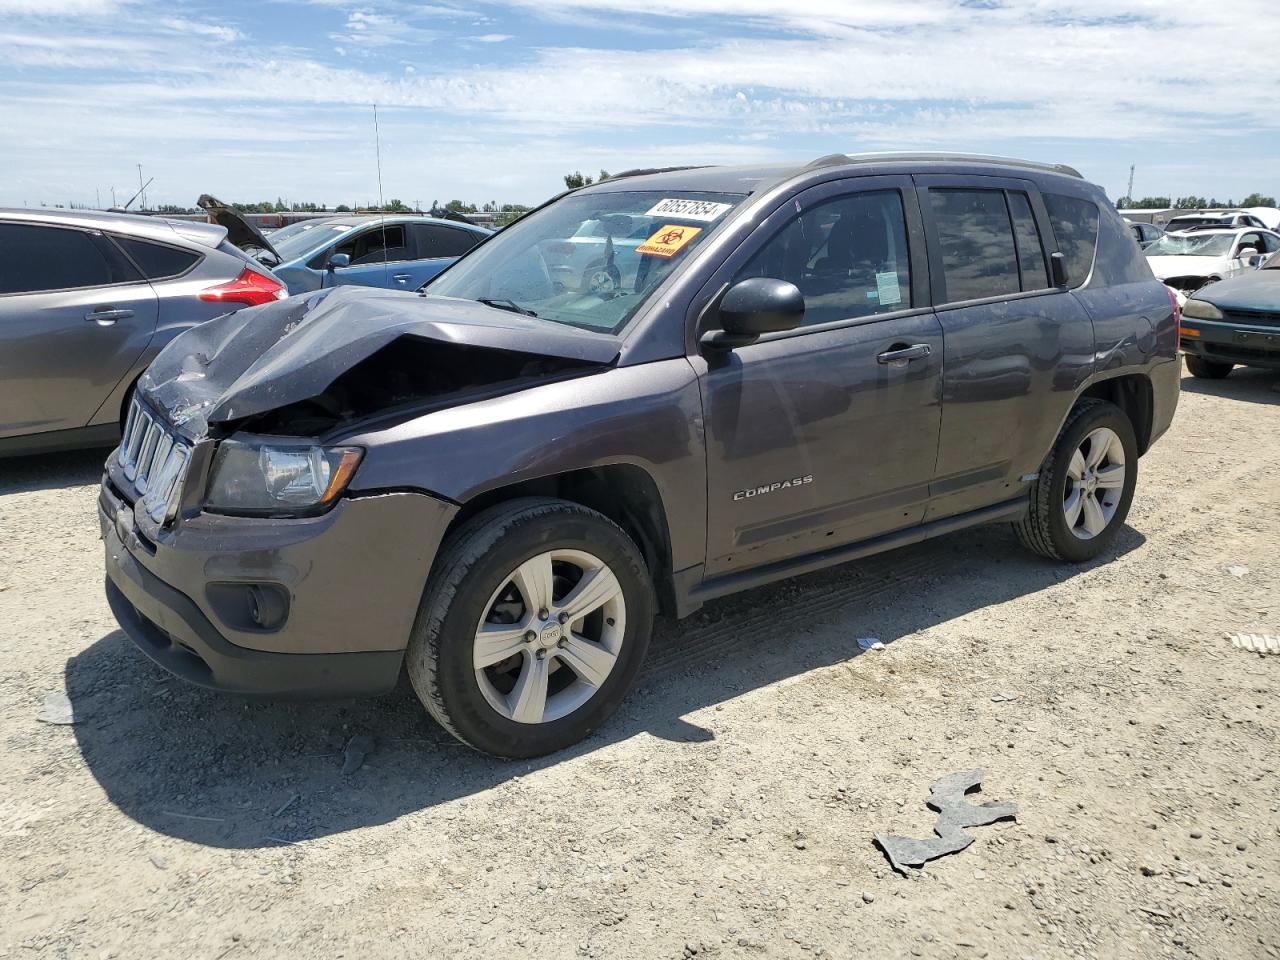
x,y
668,241
703,210
887,287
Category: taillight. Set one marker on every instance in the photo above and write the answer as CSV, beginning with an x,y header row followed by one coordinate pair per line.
x,y
1177,313
251,288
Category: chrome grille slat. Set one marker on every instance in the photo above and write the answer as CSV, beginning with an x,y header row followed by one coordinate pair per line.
x,y
153,459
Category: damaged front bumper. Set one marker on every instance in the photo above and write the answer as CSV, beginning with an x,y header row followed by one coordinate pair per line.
x,y
319,606
1232,340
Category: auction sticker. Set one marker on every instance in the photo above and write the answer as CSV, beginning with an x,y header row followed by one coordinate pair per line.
x,y
703,210
668,241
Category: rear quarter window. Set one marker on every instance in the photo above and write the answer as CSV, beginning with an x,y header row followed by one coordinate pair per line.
x,y
157,261
1075,224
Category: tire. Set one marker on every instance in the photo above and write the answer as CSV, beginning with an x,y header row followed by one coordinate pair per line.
x,y
1049,529
1207,369
477,584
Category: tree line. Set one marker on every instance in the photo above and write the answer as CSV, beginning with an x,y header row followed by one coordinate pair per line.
x,y
1192,202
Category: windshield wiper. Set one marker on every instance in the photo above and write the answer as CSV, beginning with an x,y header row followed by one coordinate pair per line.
x,y
509,305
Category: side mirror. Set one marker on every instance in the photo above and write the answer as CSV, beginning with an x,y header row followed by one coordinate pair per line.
x,y
337,261
1246,252
1058,267
753,307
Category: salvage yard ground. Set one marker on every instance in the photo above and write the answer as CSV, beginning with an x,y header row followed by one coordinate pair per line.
x,y
728,810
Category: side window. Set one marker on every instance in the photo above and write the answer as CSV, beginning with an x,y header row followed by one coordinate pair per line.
x,y
367,246
979,257
156,260
1270,242
1031,264
847,255
37,258
1249,240
1075,224
431,241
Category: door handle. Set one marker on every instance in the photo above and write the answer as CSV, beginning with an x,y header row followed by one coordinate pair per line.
x,y
402,277
900,356
108,315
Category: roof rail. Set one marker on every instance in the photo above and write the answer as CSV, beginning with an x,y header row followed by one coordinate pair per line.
x,y
840,159
648,170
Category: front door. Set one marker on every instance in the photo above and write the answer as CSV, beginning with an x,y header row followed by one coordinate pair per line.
x,y
827,434
74,318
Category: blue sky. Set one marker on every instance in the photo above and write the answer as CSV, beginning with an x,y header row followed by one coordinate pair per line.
x,y
496,99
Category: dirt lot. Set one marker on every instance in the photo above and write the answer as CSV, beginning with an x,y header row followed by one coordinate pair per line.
x,y
729,810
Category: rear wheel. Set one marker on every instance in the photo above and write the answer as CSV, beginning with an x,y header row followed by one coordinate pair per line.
x,y
1082,494
1207,369
532,628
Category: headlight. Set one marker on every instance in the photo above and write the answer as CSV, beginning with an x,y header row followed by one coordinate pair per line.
x,y
1201,310
281,479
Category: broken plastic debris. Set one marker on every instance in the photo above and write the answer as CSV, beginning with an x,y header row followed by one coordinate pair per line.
x,y
1256,642
869,643
356,750
1236,570
1002,697
56,709
947,796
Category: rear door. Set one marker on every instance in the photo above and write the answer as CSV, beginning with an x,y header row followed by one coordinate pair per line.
x,y
826,434
1017,349
75,315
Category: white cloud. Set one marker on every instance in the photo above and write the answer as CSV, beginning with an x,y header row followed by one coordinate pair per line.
x,y
200,28
735,78
58,8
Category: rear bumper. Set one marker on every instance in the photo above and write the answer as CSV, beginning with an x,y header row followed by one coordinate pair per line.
x,y
1224,341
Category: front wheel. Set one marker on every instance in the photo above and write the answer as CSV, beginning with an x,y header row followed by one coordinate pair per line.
x,y
1082,494
1207,369
532,628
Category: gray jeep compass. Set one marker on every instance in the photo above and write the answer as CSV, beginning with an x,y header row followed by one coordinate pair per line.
x,y
497,484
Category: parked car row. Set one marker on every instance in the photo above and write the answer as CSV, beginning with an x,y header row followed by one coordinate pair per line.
x,y
88,299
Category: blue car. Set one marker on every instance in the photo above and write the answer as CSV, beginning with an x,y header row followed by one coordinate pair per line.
x,y
399,252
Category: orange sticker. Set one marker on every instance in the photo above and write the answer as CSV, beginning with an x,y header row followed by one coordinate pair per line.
x,y
668,241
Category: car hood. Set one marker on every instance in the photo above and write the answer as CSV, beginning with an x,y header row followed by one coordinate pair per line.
x,y
264,358
1164,267
240,231
1252,290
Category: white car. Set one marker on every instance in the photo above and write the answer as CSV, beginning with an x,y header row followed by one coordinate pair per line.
x,y
1186,261
1228,218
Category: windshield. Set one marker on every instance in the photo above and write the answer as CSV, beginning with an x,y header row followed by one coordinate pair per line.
x,y
589,260
298,239
1192,245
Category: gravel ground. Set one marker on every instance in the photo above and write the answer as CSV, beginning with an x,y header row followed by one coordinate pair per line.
x,y
729,809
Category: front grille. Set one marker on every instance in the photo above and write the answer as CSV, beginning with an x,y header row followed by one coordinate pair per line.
x,y
1232,351
153,459
1256,318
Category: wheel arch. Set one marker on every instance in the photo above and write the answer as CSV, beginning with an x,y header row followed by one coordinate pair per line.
x,y
1133,394
624,492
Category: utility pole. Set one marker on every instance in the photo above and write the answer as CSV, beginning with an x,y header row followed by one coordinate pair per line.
x,y
142,189
113,196
1129,192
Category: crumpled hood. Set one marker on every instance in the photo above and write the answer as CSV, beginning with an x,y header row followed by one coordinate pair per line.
x,y
264,358
1251,290
1164,267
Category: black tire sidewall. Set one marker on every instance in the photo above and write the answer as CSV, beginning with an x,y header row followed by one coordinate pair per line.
x,y
469,712
1068,545
1206,369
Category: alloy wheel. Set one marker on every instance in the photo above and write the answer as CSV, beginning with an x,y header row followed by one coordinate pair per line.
x,y
550,636
1095,483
